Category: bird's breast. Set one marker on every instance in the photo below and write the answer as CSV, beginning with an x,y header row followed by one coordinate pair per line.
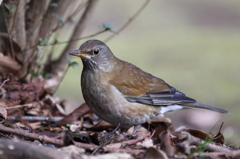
x,y
108,103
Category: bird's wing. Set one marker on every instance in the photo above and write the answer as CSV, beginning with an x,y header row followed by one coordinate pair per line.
x,y
141,87
138,86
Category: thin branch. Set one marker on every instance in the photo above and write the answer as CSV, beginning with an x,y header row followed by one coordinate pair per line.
x,y
20,106
72,40
11,29
14,17
191,140
19,132
79,8
63,42
9,35
57,67
4,82
61,79
211,155
130,20
20,149
46,139
36,118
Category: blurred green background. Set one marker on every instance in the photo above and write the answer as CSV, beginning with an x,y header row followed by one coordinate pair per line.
x,y
192,45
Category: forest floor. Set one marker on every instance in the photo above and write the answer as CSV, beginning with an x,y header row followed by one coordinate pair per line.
x,y
35,125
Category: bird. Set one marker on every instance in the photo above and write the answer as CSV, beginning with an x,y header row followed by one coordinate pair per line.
x,y
122,93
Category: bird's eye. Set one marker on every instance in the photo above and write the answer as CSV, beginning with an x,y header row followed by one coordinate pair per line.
x,y
96,51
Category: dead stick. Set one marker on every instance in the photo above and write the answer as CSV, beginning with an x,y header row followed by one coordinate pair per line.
x,y
44,138
4,83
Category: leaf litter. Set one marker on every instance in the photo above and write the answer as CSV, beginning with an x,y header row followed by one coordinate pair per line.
x,y
31,117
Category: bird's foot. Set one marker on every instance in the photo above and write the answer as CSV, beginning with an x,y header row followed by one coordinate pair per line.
x,y
109,137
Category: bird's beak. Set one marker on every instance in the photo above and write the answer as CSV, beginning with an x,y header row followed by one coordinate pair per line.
x,y
79,54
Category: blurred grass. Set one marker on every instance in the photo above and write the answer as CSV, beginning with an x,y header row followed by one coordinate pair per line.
x,y
192,45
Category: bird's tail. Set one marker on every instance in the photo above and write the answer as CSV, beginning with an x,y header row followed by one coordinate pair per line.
x,y
205,106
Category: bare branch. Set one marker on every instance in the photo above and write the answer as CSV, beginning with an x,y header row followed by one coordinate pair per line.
x,y
36,118
191,140
16,22
44,138
54,14
78,30
212,155
17,148
58,66
4,83
34,16
64,42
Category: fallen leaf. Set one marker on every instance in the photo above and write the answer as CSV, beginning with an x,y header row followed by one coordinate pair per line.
x,y
75,115
197,133
219,138
3,113
114,145
153,153
146,143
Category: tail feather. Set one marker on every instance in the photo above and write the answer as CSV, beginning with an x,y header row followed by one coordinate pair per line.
x,y
204,106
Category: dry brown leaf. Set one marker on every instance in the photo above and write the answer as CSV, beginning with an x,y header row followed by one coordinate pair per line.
x,y
75,115
3,114
35,125
101,125
166,144
218,138
114,145
197,133
153,153
147,142
9,66
3,111
140,132
76,126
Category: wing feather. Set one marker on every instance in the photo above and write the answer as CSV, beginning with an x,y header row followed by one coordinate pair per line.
x,y
138,86
141,87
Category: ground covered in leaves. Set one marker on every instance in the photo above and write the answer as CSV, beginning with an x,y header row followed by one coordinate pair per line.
x,y
35,125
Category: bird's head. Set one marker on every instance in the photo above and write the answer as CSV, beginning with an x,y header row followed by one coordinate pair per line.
x,y
94,54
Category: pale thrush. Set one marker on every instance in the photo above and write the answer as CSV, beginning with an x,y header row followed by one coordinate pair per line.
x,y
121,93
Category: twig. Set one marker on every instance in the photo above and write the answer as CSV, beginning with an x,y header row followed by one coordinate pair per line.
x,y
220,127
46,139
20,106
134,141
63,42
36,118
61,79
4,82
42,138
21,149
9,35
76,11
212,155
60,109
89,36
191,140
130,20
14,17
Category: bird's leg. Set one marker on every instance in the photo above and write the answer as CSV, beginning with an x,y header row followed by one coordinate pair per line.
x,y
106,139
119,124
136,128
